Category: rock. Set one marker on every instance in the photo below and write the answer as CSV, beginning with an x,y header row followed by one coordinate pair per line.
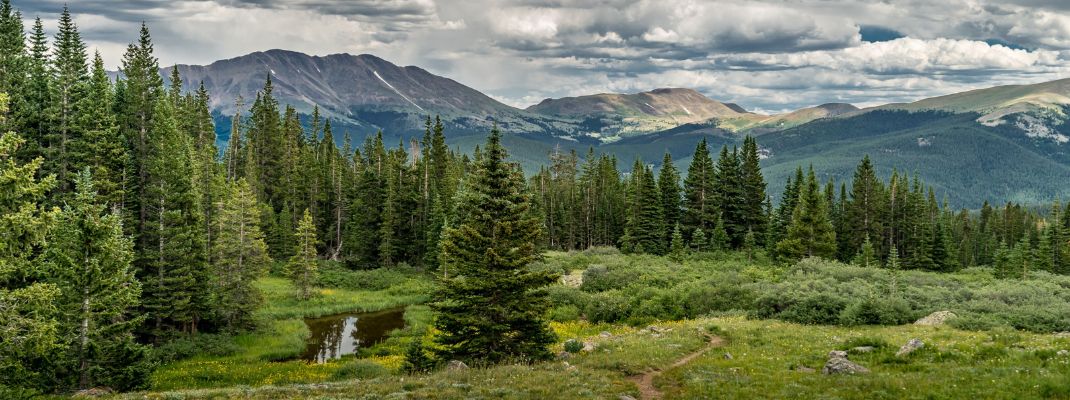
x,y
910,347
605,335
728,356
93,392
456,365
839,364
1062,353
625,397
589,346
1062,335
863,349
936,319
564,355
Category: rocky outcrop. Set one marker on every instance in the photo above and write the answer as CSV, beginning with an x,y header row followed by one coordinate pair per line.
x,y
911,346
456,365
839,364
936,319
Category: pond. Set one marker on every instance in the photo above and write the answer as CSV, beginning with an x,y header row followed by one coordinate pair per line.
x,y
334,336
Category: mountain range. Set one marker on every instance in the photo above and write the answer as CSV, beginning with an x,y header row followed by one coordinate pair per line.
x,y
1006,143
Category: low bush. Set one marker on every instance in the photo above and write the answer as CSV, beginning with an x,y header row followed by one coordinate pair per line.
x,y
202,344
359,369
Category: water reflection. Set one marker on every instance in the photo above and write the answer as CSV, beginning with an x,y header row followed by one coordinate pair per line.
x,y
336,335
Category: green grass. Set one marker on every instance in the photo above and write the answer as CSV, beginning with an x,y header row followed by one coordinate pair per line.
x,y
953,364
999,364
282,336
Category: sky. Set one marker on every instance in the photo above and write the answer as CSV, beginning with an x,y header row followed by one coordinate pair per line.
x,y
768,56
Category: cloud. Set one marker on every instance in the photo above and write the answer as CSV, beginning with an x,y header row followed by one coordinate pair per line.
x,y
766,54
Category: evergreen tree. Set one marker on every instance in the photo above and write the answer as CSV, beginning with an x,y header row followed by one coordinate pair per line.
x,y
89,260
104,149
643,228
894,268
141,87
719,239
173,258
239,257
677,249
699,241
700,202
416,358
302,267
34,105
492,306
864,212
70,78
730,197
754,197
13,60
28,329
811,233
866,256
669,195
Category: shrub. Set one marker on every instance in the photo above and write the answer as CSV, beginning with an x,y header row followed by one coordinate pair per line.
x,y
564,313
607,306
360,369
821,309
573,346
876,311
334,275
201,344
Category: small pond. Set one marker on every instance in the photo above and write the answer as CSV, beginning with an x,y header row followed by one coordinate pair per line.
x,y
334,336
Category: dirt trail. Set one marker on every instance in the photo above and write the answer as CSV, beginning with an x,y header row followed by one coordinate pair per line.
x,y
647,391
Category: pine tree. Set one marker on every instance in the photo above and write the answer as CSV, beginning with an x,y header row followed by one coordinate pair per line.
x,y
669,195
173,258
677,249
239,257
104,149
700,202
719,239
302,267
141,87
28,329
644,225
730,197
89,260
699,241
34,104
942,255
811,233
864,212
416,358
894,268
13,59
491,308
866,256
70,78
754,196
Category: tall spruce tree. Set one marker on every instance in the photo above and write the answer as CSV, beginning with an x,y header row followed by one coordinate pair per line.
x,y
89,259
700,201
811,233
754,197
302,268
239,257
669,195
491,308
28,328
104,149
174,261
728,189
70,78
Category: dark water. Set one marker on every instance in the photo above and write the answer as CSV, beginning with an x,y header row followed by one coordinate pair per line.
x,y
336,335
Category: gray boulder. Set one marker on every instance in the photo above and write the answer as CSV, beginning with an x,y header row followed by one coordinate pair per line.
x,y
839,364
936,319
863,349
1062,353
910,347
456,365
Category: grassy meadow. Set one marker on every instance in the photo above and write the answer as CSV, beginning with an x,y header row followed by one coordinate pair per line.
x,y
778,324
